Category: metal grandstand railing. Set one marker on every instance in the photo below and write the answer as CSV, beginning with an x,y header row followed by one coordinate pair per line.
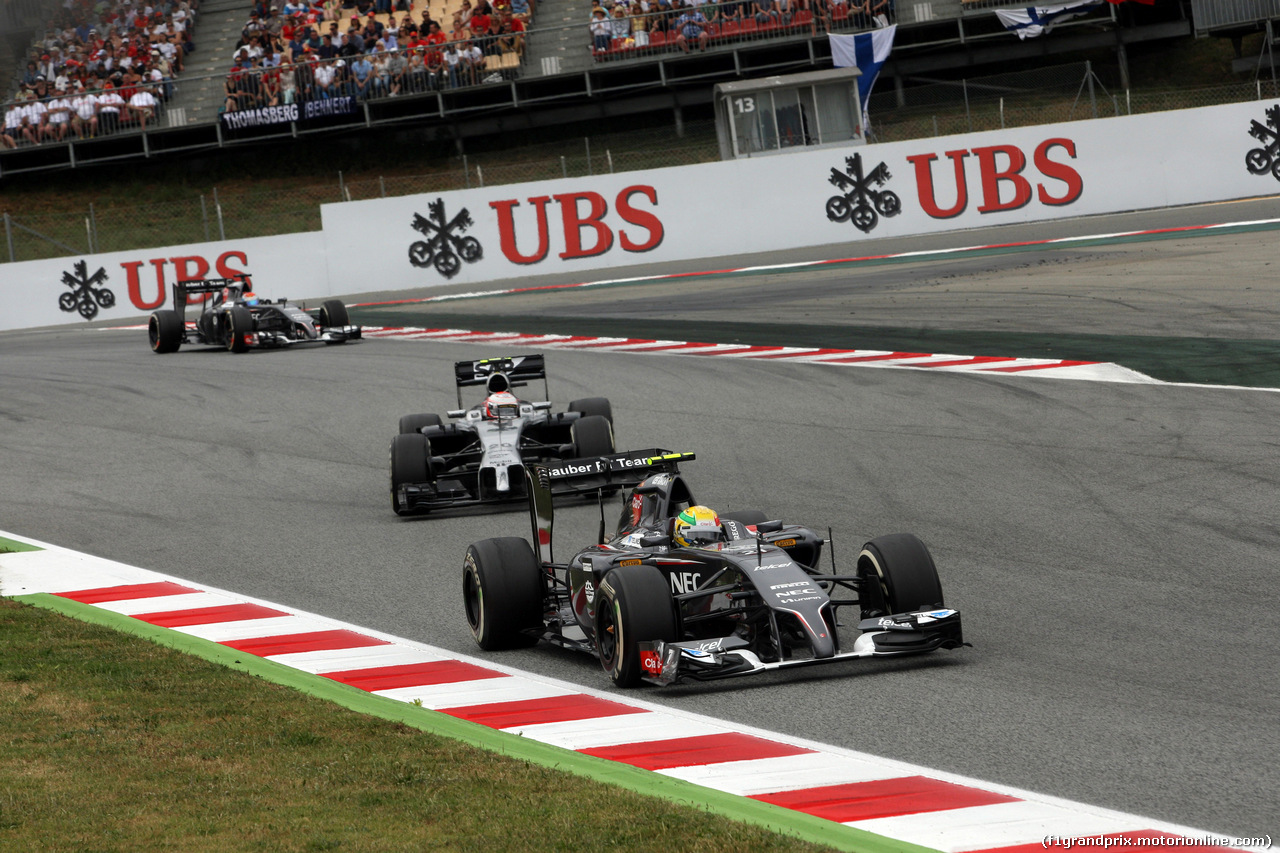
x,y
1219,14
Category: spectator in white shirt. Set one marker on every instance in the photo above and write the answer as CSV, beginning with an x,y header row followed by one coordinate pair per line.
x,y
85,119
59,115
142,106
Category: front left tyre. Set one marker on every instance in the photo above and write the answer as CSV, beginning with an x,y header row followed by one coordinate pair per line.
x,y
502,591
591,436
633,606
164,331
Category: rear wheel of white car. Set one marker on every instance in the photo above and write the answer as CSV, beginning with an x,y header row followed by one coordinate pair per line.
x,y
164,330
633,605
333,313
415,423
239,323
898,576
410,463
590,407
592,436
502,591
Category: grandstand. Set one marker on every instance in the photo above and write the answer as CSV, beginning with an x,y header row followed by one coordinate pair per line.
x,y
560,75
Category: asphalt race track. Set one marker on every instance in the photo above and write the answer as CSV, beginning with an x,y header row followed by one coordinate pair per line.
x,y
1112,546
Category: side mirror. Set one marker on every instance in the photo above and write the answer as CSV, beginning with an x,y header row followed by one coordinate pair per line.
x,y
542,407
457,413
769,526
654,541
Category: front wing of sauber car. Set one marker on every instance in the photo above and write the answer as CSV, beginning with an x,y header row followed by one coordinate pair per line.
x,y
727,657
284,324
804,622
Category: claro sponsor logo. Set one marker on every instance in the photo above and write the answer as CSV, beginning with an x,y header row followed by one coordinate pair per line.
x,y
1003,184
587,227
185,268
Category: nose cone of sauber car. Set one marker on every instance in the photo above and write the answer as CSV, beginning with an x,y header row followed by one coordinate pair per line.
x,y
787,589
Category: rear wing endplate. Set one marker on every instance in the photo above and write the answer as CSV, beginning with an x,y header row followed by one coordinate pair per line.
x,y
581,476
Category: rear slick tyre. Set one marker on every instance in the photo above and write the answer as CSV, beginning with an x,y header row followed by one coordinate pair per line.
x,y
502,591
164,330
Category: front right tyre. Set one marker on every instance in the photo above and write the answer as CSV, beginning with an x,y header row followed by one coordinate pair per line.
x,y
410,463
633,606
898,576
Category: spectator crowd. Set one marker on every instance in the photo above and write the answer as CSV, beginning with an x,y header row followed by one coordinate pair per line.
x,y
618,27
369,49
102,65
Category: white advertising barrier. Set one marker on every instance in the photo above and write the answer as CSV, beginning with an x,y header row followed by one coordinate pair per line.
x,y
579,226
812,198
124,285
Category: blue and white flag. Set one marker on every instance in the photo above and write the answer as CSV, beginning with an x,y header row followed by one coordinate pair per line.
x,y
1038,20
867,51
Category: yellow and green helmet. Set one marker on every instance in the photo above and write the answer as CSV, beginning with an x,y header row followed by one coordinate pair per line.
x,y
697,525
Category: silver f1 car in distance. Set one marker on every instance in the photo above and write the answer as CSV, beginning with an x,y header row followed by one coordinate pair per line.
x,y
651,609
233,317
479,457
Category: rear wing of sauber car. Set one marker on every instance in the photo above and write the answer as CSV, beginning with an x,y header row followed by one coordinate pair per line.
x,y
183,289
582,476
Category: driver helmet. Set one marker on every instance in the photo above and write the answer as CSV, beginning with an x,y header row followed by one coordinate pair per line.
x,y
250,298
501,405
696,526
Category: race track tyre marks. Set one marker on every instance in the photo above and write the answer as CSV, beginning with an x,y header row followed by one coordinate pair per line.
x,y
502,589
634,605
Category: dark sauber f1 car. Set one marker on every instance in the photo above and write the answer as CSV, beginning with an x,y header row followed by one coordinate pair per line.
x,y
480,457
747,600
234,318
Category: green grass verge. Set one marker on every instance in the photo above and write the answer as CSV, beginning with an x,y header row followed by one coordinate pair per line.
x,y
10,546
114,743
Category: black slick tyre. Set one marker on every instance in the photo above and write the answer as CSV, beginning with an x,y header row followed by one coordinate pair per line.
x,y
593,406
591,436
502,591
898,576
410,463
164,331
633,605
415,423
333,313
239,322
